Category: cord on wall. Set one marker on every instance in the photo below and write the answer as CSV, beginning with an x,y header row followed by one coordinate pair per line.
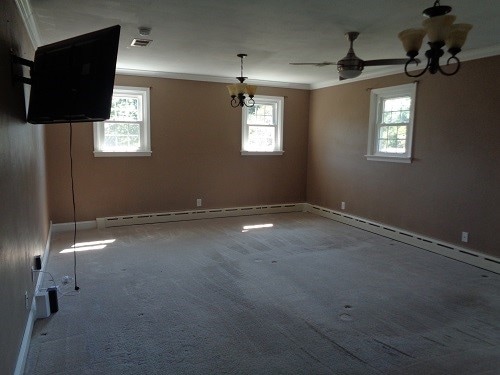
x,y
73,198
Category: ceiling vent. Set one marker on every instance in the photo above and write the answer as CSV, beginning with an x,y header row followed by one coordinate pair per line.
x,y
140,42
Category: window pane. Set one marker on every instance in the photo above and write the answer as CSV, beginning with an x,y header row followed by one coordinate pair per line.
x,y
392,143
261,114
122,136
401,132
261,138
382,145
392,132
396,110
397,104
392,139
395,117
401,146
383,132
393,146
126,108
386,118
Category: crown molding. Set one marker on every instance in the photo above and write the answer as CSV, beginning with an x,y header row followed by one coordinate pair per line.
x,y
465,56
26,12
207,78
480,53
28,18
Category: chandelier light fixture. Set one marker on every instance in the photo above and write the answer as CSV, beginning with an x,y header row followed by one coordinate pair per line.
x,y
238,91
440,31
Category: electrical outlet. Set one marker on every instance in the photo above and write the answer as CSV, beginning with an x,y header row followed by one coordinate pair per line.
x,y
342,205
26,300
465,236
198,202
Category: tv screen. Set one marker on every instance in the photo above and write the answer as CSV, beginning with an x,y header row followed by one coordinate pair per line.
x,y
72,80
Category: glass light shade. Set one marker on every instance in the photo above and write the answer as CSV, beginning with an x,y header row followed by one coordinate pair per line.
x,y
438,27
412,39
251,90
233,90
241,88
457,35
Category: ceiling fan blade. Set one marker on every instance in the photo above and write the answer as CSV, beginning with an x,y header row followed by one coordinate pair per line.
x,y
315,64
386,62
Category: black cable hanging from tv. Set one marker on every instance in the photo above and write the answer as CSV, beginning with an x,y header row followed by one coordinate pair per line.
x,y
73,199
71,81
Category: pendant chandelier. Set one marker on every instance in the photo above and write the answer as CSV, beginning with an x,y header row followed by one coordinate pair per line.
x,y
238,91
440,31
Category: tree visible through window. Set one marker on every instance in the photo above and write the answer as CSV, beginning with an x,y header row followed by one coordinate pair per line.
x,y
261,120
394,125
122,130
262,126
391,123
127,130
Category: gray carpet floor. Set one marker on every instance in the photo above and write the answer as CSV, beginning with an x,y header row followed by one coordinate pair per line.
x,y
306,295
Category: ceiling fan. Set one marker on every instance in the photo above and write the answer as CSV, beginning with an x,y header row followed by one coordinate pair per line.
x,y
351,65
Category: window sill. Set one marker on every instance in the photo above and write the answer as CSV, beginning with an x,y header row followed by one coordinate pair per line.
x,y
261,152
392,159
105,154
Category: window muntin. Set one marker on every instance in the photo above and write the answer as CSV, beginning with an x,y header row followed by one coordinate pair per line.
x,y
391,123
262,126
127,132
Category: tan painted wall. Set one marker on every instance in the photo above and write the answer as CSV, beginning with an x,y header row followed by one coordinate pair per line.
x,y
196,141
453,185
23,207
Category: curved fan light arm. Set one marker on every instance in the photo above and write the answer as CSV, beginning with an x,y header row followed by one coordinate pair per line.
x,y
410,61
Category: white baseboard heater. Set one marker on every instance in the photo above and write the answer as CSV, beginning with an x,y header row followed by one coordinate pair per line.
x,y
449,250
165,217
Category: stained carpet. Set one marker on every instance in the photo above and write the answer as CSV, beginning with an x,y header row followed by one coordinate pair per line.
x,y
273,294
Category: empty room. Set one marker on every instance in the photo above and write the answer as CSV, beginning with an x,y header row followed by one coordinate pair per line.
x,y
271,187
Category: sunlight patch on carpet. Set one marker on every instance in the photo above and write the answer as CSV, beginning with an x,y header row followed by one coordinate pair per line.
x,y
86,246
246,228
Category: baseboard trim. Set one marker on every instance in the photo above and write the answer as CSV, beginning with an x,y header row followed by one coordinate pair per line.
x,y
25,344
80,225
165,217
449,250
462,254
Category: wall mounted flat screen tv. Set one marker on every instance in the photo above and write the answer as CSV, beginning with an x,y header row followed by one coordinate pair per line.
x,y
72,80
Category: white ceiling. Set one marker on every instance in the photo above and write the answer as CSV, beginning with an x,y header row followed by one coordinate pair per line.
x,y
193,38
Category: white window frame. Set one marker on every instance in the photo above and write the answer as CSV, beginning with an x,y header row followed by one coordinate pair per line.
x,y
145,148
279,102
377,97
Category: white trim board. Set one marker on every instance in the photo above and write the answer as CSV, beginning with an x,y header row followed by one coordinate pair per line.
x,y
25,344
26,13
80,225
165,217
449,250
207,78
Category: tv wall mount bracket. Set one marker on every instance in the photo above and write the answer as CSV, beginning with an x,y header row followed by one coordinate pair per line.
x,y
16,60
